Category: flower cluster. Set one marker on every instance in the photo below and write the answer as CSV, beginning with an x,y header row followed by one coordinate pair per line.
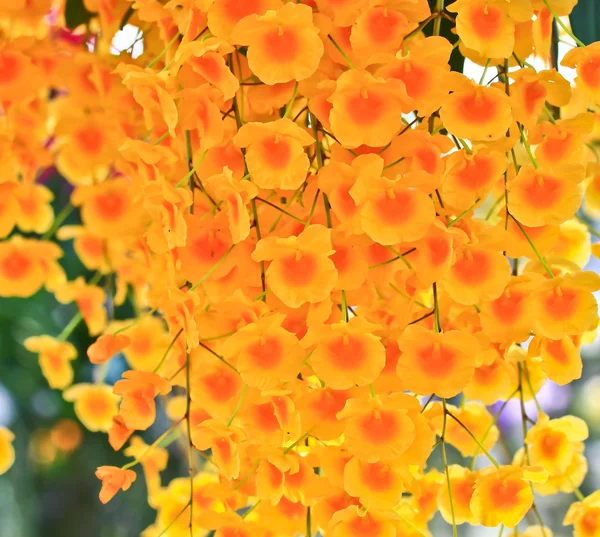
x,y
327,234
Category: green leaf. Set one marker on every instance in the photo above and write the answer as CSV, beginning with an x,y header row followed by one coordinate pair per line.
x,y
585,21
457,60
76,14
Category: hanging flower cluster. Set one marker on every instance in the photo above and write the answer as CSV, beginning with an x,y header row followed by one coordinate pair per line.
x,y
326,234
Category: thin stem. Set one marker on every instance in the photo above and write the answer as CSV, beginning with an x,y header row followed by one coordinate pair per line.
x,y
218,356
58,220
537,253
247,476
164,357
436,308
238,406
164,50
344,55
288,108
445,460
562,25
464,213
262,200
344,307
152,446
188,416
164,532
527,146
479,444
212,269
289,448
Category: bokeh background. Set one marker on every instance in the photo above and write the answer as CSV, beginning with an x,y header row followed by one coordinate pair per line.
x,y
51,490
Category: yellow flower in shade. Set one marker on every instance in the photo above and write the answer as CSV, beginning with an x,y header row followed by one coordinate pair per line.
x,y
148,341
584,516
275,153
392,211
113,480
435,252
562,143
105,347
26,265
336,179
507,319
478,420
236,195
565,306
346,353
119,433
138,389
378,32
223,15
442,364
386,429
283,45
503,495
319,408
216,387
587,62
301,269
532,89
488,26
265,353
476,112
492,380
424,70
561,360
7,451
109,209
478,274
366,109
424,489
20,77
88,146
198,112
356,522
542,196
471,176
222,441
208,241
55,358
554,444
462,485
202,60
95,405
573,243
376,484
35,212
90,301
153,460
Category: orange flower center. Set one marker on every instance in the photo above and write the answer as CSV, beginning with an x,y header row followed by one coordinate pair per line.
x,y
562,303
266,354
477,108
111,205
487,21
16,266
299,272
11,67
365,108
282,45
377,476
276,151
505,493
589,70
347,352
